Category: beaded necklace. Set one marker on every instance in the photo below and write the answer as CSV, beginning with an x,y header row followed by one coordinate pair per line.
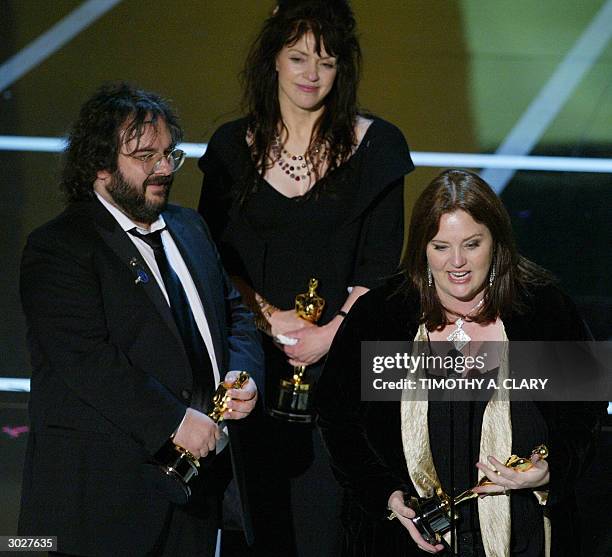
x,y
297,167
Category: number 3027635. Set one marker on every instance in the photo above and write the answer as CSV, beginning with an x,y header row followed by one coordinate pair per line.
x,y
28,543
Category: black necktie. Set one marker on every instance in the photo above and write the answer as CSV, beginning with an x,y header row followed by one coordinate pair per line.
x,y
201,366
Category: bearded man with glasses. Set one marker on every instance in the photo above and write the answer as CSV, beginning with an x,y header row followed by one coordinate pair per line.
x,y
132,322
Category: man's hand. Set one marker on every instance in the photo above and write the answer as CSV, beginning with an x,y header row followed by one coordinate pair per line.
x,y
197,433
242,400
404,515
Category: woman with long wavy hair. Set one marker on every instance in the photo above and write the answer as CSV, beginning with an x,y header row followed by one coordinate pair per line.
x,y
305,186
463,287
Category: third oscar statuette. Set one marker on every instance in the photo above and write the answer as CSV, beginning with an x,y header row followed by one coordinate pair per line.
x,y
433,514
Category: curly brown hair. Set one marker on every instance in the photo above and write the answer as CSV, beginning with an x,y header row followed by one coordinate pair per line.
x,y
93,142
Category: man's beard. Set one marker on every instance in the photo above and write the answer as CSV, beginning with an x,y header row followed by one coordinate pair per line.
x,y
131,199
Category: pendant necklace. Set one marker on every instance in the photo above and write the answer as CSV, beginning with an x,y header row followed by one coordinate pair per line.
x,y
458,336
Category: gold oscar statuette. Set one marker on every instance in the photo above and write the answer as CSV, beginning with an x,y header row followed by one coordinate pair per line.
x,y
293,402
177,463
433,514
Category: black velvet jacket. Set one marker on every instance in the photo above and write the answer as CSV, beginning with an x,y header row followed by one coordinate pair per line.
x,y
364,438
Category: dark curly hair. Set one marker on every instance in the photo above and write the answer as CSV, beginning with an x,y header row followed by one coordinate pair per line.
x,y
93,142
515,275
333,26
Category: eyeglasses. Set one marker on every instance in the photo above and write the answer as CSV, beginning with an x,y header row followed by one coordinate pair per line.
x,y
152,162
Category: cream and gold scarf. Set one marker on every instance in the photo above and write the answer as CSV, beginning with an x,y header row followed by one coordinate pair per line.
x,y
495,439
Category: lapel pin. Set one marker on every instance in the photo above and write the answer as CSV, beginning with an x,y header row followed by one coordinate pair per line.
x,y
141,275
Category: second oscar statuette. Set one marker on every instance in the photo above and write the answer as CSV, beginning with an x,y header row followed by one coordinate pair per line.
x,y
294,403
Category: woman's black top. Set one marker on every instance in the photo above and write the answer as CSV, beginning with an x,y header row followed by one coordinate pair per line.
x,y
347,232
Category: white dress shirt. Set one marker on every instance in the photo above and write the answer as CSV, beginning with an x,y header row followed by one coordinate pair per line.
x,y
180,268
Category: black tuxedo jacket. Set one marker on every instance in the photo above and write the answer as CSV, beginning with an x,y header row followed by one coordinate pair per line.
x,y
111,379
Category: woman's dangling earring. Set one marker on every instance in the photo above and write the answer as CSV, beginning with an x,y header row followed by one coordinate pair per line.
x,y
429,276
492,275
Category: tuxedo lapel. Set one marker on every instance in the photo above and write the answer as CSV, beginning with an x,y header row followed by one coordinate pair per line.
x,y
198,262
117,239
